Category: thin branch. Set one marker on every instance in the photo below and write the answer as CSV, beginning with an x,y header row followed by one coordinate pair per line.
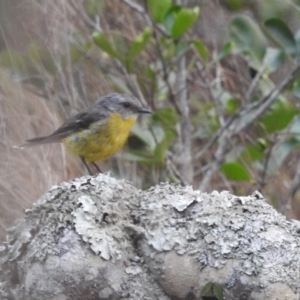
x,y
186,167
262,181
217,135
218,158
218,104
208,85
265,102
294,5
135,85
138,9
254,83
165,75
172,169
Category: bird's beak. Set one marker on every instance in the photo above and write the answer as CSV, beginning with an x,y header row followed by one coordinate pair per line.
x,y
143,110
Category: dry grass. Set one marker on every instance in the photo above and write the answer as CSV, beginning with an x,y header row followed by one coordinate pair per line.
x,y
27,174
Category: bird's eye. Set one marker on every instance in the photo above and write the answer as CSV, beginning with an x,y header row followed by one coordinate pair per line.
x,y
126,104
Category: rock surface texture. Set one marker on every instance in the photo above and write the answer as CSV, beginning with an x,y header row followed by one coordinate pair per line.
x,y
100,238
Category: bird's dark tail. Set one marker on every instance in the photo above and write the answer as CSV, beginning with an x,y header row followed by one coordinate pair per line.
x,y
37,141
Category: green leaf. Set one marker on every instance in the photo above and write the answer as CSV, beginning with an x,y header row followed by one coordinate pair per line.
x,y
262,144
157,146
280,33
170,16
166,117
225,50
218,291
202,50
181,48
103,43
231,105
163,146
273,59
251,153
235,171
168,48
248,39
158,9
139,43
206,289
145,135
224,97
183,20
280,153
279,116
163,128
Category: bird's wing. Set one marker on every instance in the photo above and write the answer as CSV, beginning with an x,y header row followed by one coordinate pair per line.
x,y
74,124
77,123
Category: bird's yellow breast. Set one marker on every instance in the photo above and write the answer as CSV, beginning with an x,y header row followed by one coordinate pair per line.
x,y
101,139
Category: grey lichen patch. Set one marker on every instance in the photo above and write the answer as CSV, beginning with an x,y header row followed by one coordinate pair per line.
x,y
162,218
101,238
16,242
243,235
82,203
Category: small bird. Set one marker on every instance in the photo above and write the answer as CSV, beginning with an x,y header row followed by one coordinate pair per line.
x,y
98,131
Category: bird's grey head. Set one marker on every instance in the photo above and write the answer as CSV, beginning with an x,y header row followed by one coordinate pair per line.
x,y
123,104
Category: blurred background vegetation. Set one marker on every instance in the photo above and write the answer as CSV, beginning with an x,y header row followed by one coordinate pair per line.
x,y
222,77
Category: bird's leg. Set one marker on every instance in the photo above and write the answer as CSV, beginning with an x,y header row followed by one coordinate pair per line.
x,y
98,169
86,165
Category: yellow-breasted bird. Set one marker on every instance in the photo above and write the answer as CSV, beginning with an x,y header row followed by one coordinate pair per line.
x,y
98,131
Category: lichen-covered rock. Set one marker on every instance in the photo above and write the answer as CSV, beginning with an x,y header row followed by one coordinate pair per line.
x,y
75,243
100,238
240,243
